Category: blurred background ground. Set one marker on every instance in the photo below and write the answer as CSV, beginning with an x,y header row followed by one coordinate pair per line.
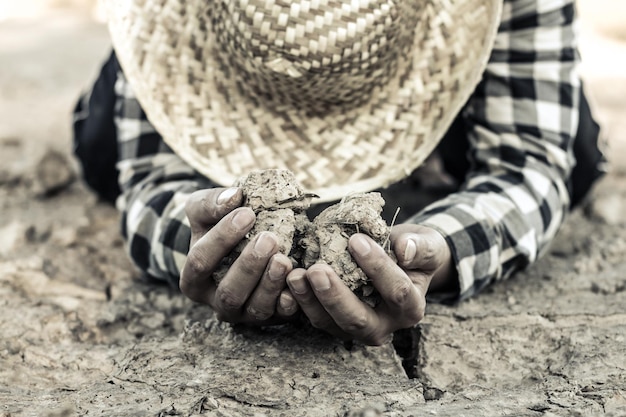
x,y
81,335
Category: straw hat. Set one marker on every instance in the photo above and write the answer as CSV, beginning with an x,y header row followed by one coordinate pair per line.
x,y
350,95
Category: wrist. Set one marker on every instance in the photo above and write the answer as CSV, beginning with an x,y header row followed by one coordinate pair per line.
x,y
445,278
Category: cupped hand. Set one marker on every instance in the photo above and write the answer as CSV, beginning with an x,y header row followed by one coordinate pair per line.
x,y
423,258
253,291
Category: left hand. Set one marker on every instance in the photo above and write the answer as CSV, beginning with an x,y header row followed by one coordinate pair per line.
x,y
253,289
423,257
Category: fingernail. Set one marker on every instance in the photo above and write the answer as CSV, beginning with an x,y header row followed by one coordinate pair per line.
x,y
264,244
319,280
257,314
360,245
243,218
226,195
409,251
298,285
277,270
287,303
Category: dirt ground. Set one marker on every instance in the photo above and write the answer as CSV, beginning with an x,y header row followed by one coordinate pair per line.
x,y
80,334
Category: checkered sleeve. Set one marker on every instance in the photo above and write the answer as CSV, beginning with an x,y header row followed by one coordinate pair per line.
x,y
155,185
521,120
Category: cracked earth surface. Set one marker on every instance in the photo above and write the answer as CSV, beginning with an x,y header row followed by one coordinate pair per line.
x,y
81,334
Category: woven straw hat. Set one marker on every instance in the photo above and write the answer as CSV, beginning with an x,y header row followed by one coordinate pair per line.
x,y
350,95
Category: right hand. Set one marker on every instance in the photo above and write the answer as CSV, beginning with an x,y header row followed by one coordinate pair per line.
x,y
254,289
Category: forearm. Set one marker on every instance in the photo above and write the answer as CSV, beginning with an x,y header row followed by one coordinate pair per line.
x,y
522,120
154,221
489,234
155,185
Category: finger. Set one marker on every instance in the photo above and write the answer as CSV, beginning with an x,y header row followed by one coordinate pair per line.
x,y
398,291
244,275
287,305
205,208
310,306
263,301
207,253
349,313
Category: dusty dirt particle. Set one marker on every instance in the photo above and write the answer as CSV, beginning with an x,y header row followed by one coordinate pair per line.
x,y
608,208
11,142
53,174
272,189
10,178
12,236
370,411
431,393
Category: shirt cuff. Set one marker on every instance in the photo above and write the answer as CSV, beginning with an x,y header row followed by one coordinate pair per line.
x,y
473,245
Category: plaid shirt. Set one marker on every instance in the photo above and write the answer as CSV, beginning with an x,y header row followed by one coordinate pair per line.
x,y
522,120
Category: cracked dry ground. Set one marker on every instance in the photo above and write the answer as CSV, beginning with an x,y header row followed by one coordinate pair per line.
x,y
81,335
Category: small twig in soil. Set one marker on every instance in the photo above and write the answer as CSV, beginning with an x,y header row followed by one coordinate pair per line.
x,y
393,221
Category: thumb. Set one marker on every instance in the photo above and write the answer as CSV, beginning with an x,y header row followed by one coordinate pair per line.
x,y
423,249
205,208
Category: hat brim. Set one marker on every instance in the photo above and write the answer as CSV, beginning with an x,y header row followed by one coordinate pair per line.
x,y
194,101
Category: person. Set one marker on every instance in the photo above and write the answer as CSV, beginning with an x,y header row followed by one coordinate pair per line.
x,y
521,147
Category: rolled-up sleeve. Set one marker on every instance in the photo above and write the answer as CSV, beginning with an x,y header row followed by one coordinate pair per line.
x,y
522,122
155,186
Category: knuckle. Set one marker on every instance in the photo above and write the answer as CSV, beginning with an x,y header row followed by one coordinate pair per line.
x,y
191,291
356,325
270,286
381,268
192,202
431,252
195,265
252,261
251,264
196,203
378,265
222,238
228,300
225,237
255,258
401,294
430,256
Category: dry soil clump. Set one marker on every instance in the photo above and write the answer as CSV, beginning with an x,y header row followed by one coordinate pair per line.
x,y
280,204
327,240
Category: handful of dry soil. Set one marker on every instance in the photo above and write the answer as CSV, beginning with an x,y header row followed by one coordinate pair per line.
x,y
280,205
